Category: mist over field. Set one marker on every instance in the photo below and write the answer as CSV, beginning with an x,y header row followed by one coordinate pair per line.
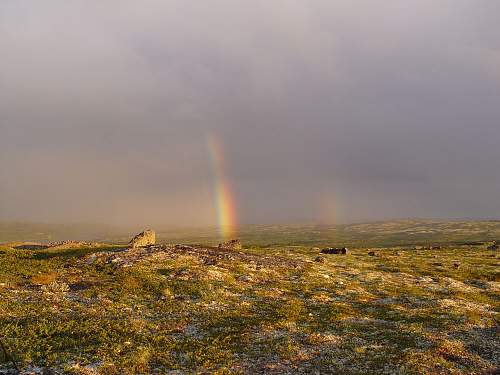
x,y
325,111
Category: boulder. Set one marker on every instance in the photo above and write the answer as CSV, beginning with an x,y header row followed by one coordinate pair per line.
x,y
143,239
372,253
334,250
493,246
231,244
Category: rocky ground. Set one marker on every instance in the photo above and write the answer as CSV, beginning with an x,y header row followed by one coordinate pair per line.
x,y
172,309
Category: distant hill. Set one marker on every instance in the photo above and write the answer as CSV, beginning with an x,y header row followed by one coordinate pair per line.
x,y
384,233
39,232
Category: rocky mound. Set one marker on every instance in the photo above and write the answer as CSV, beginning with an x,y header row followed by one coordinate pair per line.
x,y
28,246
127,257
52,245
72,244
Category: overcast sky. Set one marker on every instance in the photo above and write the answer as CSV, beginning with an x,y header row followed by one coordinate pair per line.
x,y
327,111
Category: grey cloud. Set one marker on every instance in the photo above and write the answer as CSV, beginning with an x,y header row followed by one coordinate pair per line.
x,y
369,109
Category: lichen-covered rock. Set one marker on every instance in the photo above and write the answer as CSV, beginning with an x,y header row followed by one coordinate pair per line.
x,y
143,239
232,244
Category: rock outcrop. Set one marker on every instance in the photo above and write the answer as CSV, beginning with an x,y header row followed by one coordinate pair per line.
x,y
232,245
143,239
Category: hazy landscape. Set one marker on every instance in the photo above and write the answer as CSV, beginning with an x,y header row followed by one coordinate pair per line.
x,y
249,187
405,232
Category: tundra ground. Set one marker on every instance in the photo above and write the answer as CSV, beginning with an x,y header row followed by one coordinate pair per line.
x,y
280,309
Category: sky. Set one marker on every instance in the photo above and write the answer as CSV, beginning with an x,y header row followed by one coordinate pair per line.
x,y
324,111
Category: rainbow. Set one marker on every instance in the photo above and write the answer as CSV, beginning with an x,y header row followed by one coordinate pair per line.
x,y
223,195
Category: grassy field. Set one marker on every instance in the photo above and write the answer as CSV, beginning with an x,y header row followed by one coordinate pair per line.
x,y
273,307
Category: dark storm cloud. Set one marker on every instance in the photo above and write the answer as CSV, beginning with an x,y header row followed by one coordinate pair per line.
x,y
327,110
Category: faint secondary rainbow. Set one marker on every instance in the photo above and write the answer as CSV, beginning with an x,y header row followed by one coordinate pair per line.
x,y
223,195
